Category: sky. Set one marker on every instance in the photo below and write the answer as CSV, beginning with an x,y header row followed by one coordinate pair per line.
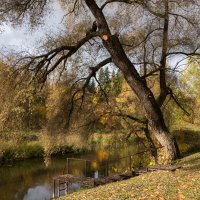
x,y
21,38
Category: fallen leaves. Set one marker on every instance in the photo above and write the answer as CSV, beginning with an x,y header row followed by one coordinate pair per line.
x,y
184,184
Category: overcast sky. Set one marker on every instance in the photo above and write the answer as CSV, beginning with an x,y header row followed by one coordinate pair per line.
x,y
21,39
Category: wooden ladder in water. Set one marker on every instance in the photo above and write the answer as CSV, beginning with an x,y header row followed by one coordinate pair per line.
x,y
63,185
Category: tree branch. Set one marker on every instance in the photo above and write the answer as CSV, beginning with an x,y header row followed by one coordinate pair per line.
x,y
93,74
44,65
141,121
177,102
141,3
163,86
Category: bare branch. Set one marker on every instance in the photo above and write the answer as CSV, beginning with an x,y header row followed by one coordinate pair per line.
x,y
144,40
17,12
183,17
44,64
194,53
71,11
163,62
105,94
93,74
177,102
142,3
120,114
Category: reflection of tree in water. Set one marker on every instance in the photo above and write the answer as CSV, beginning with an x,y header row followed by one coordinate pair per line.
x,y
16,180
116,159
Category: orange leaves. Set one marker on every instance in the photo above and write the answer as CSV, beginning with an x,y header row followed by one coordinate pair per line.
x,y
94,165
102,155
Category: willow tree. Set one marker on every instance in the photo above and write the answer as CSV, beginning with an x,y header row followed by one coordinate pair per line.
x,y
136,36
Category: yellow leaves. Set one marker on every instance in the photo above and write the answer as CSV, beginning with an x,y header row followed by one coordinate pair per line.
x,y
94,165
161,198
114,169
127,100
183,147
76,171
102,155
104,119
179,195
115,118
152,163
95,100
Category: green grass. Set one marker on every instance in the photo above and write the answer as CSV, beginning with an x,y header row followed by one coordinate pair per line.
x,y
22,145
19,145
162,185
188,138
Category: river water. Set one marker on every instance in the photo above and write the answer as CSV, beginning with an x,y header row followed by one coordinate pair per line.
x,y
29,180
33,180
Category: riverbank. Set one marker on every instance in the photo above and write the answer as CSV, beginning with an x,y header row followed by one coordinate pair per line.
x,y
184,183
19,146
15,146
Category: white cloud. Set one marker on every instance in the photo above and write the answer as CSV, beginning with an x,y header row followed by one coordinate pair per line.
x,y
22,39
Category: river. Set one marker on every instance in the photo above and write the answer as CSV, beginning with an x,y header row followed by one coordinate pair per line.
x,y
33,180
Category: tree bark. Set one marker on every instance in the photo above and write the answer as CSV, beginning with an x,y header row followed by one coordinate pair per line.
x,y
154,150
153,111
163,86
137,84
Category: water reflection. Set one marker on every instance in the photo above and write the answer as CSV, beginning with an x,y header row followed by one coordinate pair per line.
x,y
32,180
38,193
29,180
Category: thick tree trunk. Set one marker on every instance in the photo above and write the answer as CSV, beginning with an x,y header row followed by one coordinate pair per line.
x,y
137,84
154,150
153,111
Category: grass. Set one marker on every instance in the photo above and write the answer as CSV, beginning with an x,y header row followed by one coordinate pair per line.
x,y
188,138
22,145
182,184
19,145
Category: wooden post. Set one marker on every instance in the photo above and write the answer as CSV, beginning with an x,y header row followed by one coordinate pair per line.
x,y
130,163
85,168
67,171
58,187
66,187
107,168
54,188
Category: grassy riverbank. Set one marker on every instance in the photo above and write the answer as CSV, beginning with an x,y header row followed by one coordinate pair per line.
x,y
15,146
181,184
33,144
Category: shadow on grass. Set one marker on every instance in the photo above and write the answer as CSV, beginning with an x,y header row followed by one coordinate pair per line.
x,y
188,141
191,162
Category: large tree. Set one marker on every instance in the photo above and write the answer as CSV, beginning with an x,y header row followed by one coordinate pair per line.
x,y
136,36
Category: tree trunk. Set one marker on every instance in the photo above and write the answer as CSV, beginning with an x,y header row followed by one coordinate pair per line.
x,y
153,111
137,84
154,150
